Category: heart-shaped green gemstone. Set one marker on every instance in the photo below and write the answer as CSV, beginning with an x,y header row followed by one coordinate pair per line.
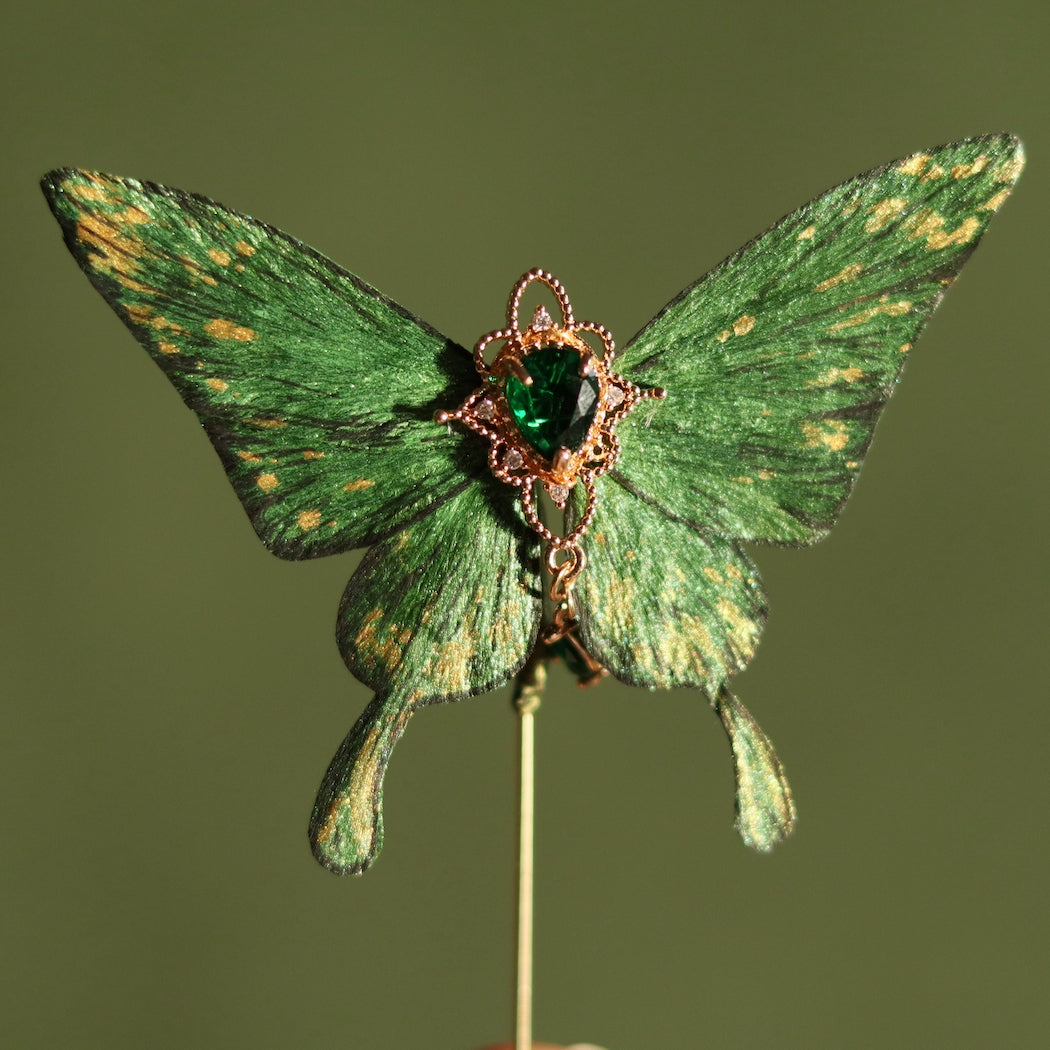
x,y
557,408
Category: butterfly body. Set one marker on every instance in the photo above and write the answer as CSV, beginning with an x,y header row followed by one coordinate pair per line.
x,y
319,395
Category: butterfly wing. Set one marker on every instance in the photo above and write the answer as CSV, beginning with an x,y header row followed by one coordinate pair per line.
x,y
776,366
664,605
447,608
318,394
778,363
317,391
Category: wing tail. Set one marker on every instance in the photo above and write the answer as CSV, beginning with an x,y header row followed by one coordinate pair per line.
x,y
765,809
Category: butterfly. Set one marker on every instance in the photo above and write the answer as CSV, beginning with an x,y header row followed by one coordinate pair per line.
x,y
740,414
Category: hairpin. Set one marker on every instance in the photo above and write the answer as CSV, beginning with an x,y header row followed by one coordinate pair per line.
x,y
547,495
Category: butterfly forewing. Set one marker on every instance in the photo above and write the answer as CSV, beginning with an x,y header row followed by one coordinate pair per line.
x,y
317,391
778,363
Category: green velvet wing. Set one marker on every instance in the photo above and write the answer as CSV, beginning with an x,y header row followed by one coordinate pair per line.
x,y
317,391
447,608
663,605
778,363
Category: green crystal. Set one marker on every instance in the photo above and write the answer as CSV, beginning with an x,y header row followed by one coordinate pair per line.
x,y
556,410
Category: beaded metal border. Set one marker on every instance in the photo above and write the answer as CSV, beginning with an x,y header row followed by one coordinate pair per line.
x,y
514,461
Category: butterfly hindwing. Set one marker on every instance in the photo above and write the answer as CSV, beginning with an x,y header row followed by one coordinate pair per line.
x,y
663,605
660,604
316,390
778,363
447,608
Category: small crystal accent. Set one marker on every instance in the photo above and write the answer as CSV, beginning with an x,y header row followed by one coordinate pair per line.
x,y
559,493
541,320
614,396
485,409
513,460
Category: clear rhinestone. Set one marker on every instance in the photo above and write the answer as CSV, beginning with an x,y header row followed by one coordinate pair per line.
x,y
485,409
614,396
559,493
513,460
541,320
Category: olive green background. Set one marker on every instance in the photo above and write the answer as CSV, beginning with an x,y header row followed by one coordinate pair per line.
x,y
172,693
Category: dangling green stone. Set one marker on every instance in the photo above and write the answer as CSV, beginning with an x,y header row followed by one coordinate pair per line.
x,y
556,410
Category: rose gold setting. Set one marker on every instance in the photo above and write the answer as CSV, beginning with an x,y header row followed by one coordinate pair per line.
x,y
515,462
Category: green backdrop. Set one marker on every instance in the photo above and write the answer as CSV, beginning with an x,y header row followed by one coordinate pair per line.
x,y
172,693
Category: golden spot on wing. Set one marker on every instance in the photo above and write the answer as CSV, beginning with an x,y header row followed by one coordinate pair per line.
x,y
690,646
733,572
963,233
88,193
133,215
630,555
850,209
847,273
217,255
723,335
309,519
194,270
311,454
1011,170
975,167
743,479
243,248
765,475
267,482
249,457
360,791
220,328
600,539
502,634
375,650
863,316
218,385
133,285
239,267
884,213
452,673
713,575
403,540
913,165
807,234
836,375
102,234
903,348
833,434
743,631
927,223
144,315
404,637
852,464
619,597
358,486
168,348
994,203
935,171
261,421
112,252
743,325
